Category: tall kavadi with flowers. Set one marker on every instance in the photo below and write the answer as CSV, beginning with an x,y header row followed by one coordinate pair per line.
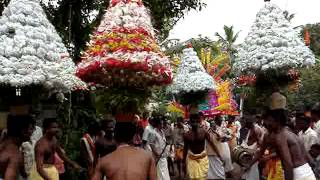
x,y
273,49
191,83
123,56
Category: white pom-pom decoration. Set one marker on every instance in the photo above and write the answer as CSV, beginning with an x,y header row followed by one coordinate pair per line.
x,y
272,44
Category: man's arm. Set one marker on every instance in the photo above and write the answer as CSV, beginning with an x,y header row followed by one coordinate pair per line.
x,y
39,161
285,156
209,139
98,172
152,171
259,153
65,158
259,133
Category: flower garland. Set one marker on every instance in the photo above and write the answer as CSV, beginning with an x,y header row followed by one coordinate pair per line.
x,y
123,51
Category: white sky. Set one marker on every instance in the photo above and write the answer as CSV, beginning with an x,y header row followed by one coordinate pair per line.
x,y
241,14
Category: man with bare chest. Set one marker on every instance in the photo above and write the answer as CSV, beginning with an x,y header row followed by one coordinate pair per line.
x,y
45,151
252,141
290,150
126,162
19,130
194,150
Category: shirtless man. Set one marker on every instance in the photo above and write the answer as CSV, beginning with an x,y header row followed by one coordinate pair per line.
x,y
45,150
287,146
106,145
19,130
195,154
127,162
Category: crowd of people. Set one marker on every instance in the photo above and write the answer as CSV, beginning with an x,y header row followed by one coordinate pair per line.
x,y
281,145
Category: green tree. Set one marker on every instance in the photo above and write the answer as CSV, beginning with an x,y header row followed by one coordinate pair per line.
x,y
228,39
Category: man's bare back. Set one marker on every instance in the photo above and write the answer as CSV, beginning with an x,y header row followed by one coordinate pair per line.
x,y
196,140
127,163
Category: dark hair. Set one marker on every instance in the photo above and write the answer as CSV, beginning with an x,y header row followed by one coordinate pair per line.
x,y
16,124
124,132
47,123
93,128
279,115
316,109
315,146
195,116
302,118
179,119
156,119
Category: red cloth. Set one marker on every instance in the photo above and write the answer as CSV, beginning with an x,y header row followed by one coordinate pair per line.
x,y
144,123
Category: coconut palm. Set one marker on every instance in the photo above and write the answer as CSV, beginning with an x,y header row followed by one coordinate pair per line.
x,y
228,39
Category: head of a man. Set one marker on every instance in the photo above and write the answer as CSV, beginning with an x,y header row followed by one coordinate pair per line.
x,y
124,132
93,128
20,127
108,127
315,112
180,122
195,120
249,121
51,127
276,119
302,122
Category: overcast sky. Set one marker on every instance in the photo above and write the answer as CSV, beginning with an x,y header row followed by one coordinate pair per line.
x,y
241,14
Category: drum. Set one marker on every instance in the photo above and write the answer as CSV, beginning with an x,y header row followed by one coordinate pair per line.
x,y
242,156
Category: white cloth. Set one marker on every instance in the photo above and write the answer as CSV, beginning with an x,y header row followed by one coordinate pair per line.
x,y
37,134
216,169
158,140
148,135
27,149
253,172
309,138
162,169
226,156
302,172
317,127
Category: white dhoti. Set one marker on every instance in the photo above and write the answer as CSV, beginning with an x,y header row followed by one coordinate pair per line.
x,y
252,173
162,169
226,156
216,169
303,172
